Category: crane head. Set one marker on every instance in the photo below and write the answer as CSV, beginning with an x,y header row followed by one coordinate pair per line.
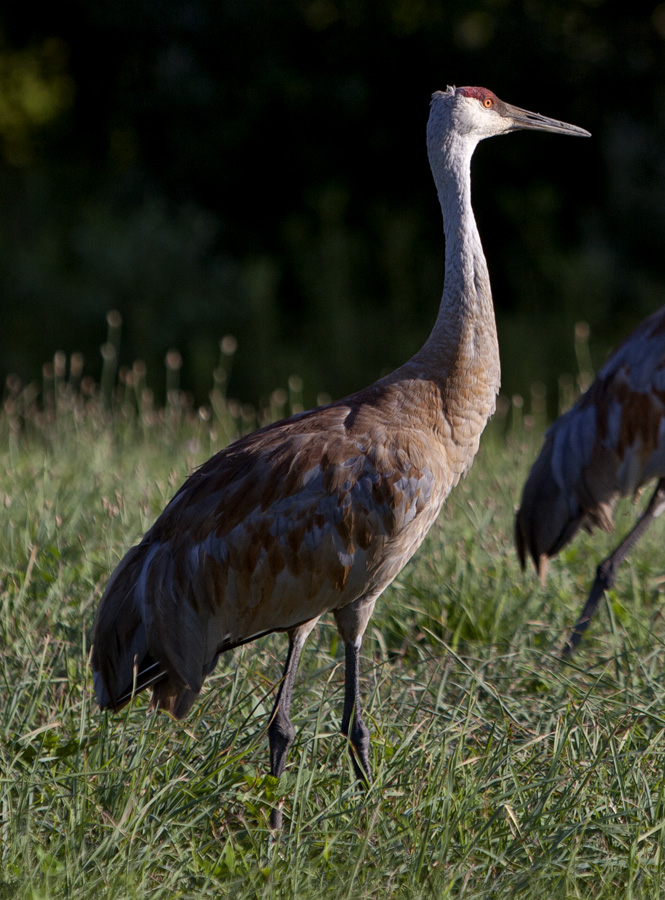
x,y
477,112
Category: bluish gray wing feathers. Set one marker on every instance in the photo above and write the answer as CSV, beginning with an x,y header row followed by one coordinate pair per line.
x,y
609,444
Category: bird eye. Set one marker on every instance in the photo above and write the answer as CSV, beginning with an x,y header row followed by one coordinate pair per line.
x,y
488,103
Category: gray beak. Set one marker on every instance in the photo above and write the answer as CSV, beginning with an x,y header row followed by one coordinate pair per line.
x,y
522,118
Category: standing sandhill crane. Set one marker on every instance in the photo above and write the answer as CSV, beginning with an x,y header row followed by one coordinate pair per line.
x,y
319,512
607,446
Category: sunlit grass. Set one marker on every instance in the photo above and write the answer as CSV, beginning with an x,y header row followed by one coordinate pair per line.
x,y
499,770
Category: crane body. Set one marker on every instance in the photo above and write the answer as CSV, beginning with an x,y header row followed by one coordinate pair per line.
x,y
319,512
607,446
293,521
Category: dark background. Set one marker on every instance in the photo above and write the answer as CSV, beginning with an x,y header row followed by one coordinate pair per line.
x,y
259,169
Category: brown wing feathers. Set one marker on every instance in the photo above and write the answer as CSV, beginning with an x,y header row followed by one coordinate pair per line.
x,y
276,529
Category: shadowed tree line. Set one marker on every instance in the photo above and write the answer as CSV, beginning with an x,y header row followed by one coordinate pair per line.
x,y
259,168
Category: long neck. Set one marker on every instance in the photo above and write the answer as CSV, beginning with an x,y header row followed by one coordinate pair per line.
x,y
464,334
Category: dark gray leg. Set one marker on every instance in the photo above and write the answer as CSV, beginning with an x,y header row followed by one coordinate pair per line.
x,y
359,733
606,572
281,732
351,623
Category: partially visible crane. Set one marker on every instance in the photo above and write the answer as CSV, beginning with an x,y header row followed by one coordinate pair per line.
x,y
609,444
319,512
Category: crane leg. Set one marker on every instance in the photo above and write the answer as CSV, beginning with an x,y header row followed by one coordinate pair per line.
x,y
606,572
281,732
351,623
353,725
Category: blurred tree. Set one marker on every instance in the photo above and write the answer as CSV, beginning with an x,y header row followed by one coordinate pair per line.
x,y
35,89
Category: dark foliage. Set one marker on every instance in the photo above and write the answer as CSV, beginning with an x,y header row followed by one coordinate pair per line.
x,y
259,168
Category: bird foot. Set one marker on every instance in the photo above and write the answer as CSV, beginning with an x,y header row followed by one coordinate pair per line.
x,y
276,819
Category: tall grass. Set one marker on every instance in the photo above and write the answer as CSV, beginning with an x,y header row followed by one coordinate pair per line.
x,y
500,771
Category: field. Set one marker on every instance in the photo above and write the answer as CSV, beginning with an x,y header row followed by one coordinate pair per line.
x,y
500,771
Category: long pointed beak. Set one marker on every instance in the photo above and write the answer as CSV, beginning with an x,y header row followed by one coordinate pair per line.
x,y
522,118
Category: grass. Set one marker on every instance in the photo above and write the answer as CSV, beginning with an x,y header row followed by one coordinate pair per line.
x,y
500,771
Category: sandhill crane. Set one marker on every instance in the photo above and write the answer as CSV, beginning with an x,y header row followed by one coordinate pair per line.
x,y
610,443
319,512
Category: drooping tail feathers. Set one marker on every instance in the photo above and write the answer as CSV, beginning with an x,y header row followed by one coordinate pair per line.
x,y
571,485
544,522
121,659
